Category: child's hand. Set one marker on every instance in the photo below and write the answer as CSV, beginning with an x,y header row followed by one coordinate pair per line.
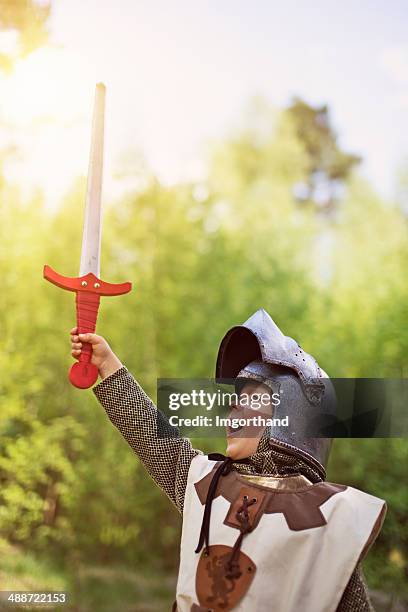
x,y
102,355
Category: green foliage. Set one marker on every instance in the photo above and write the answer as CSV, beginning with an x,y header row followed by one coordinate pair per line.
x,y
328,166
28,20
202,257
379,467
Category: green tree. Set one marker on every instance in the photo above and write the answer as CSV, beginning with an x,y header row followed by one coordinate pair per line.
x,y
328,166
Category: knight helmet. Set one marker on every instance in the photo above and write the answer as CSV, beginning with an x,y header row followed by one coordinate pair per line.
x,y
258,350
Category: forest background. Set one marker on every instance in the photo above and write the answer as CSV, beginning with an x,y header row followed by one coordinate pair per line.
x,y
283,220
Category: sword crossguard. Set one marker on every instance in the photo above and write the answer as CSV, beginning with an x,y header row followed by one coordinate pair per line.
x,y
89,288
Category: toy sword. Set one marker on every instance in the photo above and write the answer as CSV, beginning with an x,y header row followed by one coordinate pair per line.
x,y
88,286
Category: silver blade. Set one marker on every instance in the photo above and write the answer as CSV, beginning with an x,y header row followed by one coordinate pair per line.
x,y
91,238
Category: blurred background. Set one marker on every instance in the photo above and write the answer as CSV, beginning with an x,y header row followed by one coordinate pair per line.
x,y
256,156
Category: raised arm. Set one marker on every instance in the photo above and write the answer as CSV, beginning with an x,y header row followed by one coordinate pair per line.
x,y
165,455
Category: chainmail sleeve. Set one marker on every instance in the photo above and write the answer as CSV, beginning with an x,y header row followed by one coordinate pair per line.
x,y
165,455
355,597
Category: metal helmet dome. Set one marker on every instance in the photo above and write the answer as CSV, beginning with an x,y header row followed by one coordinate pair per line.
x,y
258,350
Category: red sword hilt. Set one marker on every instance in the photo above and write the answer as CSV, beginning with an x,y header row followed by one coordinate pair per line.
x,y
89,288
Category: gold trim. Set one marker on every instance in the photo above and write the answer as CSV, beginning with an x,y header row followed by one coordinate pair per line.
x,y
284,483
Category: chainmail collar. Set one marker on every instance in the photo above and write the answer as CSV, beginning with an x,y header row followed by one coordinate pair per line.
x,y
276,461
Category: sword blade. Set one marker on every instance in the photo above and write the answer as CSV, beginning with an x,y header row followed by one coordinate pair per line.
x,y
91,237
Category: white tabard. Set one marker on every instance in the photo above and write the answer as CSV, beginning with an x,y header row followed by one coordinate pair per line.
x,y
301,569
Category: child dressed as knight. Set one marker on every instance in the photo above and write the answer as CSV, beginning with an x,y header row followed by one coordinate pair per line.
x,y
262,528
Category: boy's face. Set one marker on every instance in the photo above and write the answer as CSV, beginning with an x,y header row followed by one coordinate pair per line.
x,y
254,400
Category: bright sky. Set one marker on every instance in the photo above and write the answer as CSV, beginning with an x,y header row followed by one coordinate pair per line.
x,y
180,73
